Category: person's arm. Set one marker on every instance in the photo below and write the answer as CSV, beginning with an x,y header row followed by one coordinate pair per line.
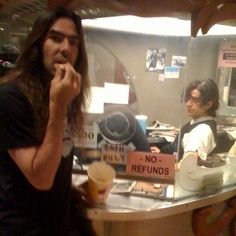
x,y
155,149
40,164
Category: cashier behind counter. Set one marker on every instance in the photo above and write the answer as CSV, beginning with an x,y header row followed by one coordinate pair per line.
x,y
200,134
117,126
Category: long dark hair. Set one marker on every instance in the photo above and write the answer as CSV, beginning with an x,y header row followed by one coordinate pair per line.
x,y
208,92
29,70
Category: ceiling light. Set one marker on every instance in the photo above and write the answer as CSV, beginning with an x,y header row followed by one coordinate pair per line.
x,y
152,26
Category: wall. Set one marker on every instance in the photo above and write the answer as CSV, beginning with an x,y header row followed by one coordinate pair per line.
x,y
161,100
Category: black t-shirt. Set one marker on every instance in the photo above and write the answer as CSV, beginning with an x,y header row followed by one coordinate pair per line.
x,y
24,210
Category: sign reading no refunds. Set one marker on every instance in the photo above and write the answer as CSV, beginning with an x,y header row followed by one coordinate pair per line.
x,y
152,165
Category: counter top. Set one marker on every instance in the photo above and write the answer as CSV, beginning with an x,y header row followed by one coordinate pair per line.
x,y
130,208
120,207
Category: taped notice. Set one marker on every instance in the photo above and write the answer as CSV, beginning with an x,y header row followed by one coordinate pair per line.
x,y
172,72
88,138
227,54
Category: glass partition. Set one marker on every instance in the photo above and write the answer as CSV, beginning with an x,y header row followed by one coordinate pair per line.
x,y
157,68
154,67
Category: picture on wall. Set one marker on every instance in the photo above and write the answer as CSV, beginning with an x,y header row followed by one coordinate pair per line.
x,y
155,59
179,61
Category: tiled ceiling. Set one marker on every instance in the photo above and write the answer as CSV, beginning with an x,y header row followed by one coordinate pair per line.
x,y
203,13
24,12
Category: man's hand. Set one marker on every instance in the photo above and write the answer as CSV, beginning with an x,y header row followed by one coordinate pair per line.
x,y
80,195
65,85
155,150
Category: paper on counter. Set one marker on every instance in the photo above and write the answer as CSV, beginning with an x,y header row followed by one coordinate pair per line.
x,y
231,131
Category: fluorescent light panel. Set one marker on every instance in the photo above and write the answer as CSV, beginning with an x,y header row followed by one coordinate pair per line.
x,y
153,26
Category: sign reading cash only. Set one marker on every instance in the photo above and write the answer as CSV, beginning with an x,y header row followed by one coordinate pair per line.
x,y
152,165
114,153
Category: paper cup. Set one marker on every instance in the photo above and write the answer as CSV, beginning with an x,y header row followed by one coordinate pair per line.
x,y
142,120
100,179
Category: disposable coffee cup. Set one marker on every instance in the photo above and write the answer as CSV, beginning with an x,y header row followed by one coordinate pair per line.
x,y
100,179
142,120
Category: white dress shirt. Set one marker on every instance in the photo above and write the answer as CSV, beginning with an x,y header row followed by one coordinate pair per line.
x,y
200,138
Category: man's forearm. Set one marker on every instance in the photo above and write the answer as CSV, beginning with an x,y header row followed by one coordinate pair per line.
x,y
40,164
48,155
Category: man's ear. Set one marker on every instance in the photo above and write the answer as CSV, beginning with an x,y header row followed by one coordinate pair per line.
x,y
209,104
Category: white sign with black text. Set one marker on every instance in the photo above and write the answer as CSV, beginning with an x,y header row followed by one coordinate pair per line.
x,y
88,139
114,153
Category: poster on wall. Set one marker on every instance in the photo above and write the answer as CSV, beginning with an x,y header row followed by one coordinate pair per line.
x,y
172,72
180,61
227,54
155,59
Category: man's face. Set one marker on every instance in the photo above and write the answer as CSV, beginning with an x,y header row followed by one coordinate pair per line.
x,y
61,44
194,106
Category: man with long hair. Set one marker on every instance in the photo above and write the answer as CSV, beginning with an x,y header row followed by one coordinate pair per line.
x,y
41,104
200,134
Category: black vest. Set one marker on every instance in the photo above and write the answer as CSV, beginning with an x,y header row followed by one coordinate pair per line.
x,y
173,147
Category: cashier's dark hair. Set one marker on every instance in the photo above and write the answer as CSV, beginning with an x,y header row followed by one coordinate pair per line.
x,y
29,72
208,92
